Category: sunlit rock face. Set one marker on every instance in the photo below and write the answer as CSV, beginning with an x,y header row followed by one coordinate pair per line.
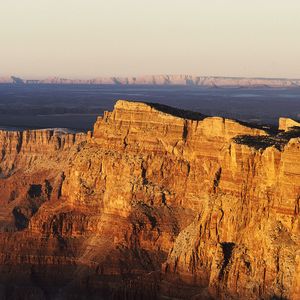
x,y
287,124
155,203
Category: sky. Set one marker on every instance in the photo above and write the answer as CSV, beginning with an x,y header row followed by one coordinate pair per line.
x,y
93,38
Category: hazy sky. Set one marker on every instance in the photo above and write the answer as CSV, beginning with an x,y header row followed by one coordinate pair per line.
x,y
88,38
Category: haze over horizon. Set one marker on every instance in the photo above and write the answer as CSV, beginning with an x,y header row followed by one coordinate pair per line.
x,y
85,39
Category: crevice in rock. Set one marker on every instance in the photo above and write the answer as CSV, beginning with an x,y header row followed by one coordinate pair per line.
x,y
3,153
35,190
163,199
185,131
19,144
144,171
61,181
227,248
59,143
48,189
217,179
13,195
21,220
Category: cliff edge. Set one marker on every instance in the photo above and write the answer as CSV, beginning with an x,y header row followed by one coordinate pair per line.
x,y
155,203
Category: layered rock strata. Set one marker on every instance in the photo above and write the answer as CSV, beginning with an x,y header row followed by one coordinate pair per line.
x,y
155,203
287,124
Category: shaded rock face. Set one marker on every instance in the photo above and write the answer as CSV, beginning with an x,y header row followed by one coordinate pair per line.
x,y
156,203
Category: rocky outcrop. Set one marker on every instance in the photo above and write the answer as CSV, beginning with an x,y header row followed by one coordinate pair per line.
x,y
32,171
287,124
22,147
244,241
156,203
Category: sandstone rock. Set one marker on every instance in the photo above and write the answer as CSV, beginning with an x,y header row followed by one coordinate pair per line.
x,y
287,124
155,203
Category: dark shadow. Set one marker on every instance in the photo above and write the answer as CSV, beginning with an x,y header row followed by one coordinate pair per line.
x,y
21,220
275,297
196,116
278,140
48,189
266,127
35,190
181,113
13,195
217,179
227,249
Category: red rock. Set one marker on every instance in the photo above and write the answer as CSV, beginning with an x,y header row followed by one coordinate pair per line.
x,y
155,203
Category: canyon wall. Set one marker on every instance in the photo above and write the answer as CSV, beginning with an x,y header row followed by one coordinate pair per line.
x,y
188,80
155,202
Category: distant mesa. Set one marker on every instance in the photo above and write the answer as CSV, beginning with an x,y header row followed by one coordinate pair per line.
x,y
32,81
17,80
166,80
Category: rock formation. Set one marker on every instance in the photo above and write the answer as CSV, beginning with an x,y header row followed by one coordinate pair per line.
x,y
287,124
155,203
167,80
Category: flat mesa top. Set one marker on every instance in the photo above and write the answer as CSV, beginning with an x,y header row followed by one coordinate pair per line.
x,y
156,107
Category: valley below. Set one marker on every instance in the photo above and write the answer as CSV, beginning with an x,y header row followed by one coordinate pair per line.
x,y
76,106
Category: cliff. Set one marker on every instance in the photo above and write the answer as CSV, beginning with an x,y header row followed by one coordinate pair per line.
x,y
32,166
155,203
287,124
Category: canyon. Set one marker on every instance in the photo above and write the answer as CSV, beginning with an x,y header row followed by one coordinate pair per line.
x,y
153,203
185,80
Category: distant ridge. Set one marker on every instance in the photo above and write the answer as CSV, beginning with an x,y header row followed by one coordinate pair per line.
x,y
165,80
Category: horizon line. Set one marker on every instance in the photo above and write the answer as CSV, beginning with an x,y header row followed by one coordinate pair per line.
x,y
86,78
